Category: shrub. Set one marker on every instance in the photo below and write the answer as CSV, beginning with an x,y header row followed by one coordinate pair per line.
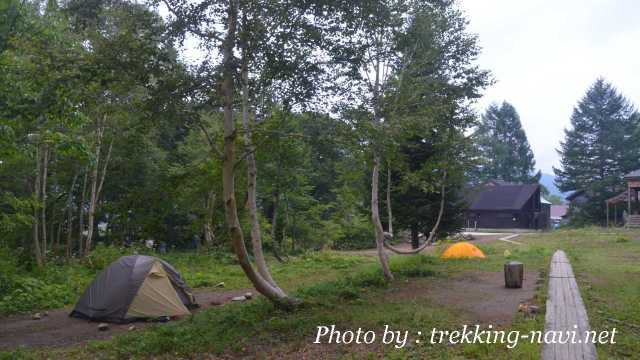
x,y
31,293
356,235
622,239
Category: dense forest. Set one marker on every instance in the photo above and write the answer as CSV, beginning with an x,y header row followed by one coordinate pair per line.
x,y
301,125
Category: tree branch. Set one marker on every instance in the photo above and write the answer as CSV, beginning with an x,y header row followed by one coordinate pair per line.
x,y
212,144
432,234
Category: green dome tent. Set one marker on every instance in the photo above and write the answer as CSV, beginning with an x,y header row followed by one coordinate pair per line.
x,y
135,287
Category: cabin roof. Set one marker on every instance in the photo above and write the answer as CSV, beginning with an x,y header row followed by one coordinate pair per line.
x,y
575,194
504,197
632,175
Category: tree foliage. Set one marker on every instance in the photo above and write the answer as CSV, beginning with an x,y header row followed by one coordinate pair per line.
x,y
503,148
601,147
271,138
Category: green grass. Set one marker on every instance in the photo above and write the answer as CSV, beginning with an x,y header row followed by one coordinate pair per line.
x,y
61,284
349,292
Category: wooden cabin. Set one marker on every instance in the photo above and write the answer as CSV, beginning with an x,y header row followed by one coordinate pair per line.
x,y
500,205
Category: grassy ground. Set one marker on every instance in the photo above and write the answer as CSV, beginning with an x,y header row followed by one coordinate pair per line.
x,y
349,292
59,285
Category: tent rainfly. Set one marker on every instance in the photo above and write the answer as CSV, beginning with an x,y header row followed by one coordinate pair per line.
x,y
462,250
135,287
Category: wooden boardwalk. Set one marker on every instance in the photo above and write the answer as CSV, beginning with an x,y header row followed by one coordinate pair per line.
x,y
566,312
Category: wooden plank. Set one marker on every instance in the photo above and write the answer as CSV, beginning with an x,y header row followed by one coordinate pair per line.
x,y
548,352
561,306
575,350
566,313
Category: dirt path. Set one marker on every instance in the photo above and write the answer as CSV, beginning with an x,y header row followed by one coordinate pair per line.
x,y
58,329
478,239
480,295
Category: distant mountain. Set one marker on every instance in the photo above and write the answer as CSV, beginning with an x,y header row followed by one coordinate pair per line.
x,y
547,181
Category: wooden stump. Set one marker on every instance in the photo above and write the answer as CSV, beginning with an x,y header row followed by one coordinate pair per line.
x,y
513,274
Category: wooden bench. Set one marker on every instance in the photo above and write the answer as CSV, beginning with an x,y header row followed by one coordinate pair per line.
x,y
565,310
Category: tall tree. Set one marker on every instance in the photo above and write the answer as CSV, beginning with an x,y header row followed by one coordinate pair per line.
x,y
601,146
413,74
40,92
263,50
503,147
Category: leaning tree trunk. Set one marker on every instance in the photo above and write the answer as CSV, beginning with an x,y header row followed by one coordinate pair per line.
x,y
252,175
375,218
228,169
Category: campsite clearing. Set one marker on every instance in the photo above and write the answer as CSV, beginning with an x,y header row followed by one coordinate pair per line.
x,y
58,329
429,293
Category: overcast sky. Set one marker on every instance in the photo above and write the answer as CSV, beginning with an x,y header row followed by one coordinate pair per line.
x,y
544,54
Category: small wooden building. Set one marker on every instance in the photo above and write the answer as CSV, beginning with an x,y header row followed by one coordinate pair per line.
x,y
628,200
500,205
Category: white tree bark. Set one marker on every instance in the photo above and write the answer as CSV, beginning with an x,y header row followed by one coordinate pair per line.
x,y
375,174
228,168
252,175
97,181
375,218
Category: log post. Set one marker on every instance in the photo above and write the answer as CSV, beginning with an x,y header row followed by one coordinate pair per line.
x,y
513,274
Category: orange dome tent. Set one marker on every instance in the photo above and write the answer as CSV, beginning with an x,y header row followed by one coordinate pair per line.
x,y
462,250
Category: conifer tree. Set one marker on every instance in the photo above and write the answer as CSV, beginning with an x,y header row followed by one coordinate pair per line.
x,y
601,146
503,147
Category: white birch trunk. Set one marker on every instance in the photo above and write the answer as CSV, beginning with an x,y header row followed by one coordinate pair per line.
x,y
97,181
375,218
93,193
375,205
228,169
252,175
